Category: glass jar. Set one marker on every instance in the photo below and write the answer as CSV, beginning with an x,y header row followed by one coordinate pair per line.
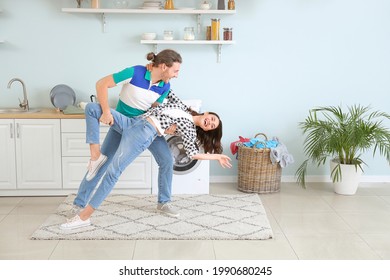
x,y
168,35
215,28
231,5
169,5
208,32
189,33
121,4
228,34
95,4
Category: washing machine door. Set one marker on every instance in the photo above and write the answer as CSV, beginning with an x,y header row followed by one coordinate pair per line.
x,y
182,164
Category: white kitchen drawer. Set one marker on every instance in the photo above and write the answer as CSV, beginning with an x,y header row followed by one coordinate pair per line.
x,y
78,125
136,176
73,144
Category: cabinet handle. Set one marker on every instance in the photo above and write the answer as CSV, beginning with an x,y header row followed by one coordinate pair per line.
x,y
11,130
17,130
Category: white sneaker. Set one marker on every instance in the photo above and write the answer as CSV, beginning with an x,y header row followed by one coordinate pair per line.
x,y
167,209
75,222
94,166
75,210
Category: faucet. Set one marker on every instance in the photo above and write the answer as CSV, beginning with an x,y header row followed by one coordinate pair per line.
x,y
24,104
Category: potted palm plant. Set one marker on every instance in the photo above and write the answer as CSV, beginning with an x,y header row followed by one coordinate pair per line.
x,y
343,137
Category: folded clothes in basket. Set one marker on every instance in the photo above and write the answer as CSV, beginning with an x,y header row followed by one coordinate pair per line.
x,y
280,154
278,151
234,145
261,143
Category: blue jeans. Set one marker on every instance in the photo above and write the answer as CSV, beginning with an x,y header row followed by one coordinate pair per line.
x,y
159,149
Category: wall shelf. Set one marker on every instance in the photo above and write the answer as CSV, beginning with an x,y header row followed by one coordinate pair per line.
x,y
198,13
103,12
146,11
219,44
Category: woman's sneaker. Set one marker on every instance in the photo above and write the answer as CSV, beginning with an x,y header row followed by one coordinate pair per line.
x,y
75,210
75,222
94,166
167,209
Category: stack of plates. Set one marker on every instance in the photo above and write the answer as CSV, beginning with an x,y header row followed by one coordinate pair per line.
x,y
152,5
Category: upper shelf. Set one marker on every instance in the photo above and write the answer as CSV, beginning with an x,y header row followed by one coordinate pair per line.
x,y
146,11
188,42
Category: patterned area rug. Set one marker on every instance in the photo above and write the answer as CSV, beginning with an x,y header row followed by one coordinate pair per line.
x,y
121,217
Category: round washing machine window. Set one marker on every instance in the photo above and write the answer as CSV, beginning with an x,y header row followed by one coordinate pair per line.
x,y
182,164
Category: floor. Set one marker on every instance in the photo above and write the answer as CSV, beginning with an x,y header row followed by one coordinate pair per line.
x,y
308,224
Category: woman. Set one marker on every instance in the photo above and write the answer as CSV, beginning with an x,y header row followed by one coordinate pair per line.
x,y
138,133
141,88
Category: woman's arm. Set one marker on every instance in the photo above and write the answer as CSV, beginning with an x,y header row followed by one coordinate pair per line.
x,y
172,98
224,160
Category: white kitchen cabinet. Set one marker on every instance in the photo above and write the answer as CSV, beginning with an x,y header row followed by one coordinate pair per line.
x,y
137,178
7,152
32,150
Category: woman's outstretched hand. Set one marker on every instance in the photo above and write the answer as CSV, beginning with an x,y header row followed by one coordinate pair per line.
x,y
224,161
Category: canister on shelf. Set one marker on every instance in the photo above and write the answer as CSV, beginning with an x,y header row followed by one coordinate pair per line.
x,y
231,5
208,32
168,35
189,33
227,33
215,23
169,5
95,4
221,4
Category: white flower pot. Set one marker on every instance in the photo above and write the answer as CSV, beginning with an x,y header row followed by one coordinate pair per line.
x,y
350,178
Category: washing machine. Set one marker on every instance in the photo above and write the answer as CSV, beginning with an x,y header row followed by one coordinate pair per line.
x,y
189,176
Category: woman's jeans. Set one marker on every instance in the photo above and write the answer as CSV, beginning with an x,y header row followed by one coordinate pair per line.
x,y
123,131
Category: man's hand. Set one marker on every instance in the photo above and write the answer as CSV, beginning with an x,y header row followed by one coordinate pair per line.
x,y
155,104
171,130
107,118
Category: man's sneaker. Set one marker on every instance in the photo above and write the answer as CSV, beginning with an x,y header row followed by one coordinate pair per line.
x,y
94,166
75,210
167,209
75,222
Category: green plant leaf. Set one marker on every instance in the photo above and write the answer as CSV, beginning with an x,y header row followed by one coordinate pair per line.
x,y
344,135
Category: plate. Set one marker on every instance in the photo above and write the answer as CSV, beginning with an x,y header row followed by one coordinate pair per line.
x,y
62,96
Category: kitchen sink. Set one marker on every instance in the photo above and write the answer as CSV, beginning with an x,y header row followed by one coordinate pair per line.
x,y
17,111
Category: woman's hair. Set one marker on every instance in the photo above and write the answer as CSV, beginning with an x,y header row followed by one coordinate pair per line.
x,y
210,140
168,57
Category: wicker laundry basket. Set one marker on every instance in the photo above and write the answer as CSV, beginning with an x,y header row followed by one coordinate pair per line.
x,y
256,173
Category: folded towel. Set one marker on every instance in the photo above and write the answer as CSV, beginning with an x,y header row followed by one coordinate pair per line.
x,y
73,110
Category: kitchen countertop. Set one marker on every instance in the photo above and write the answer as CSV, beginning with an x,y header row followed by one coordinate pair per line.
x,y
44,113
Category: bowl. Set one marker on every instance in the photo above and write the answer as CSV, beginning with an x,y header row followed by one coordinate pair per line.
x,y
149,36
